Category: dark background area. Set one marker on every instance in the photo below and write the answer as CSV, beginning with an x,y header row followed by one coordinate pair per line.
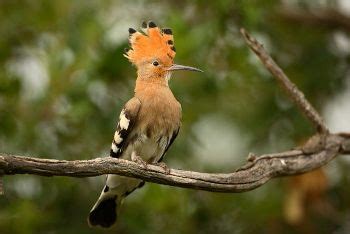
x,y
63,81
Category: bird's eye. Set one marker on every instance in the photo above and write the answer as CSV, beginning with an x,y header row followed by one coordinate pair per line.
x,y
155,63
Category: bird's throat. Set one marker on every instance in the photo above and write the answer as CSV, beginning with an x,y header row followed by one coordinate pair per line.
x,y
156,81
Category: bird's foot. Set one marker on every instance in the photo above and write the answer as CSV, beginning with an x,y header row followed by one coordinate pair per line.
x,y
137,159
163,166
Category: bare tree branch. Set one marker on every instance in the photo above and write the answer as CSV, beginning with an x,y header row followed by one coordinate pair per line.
x,y
293,92
316,152
254,174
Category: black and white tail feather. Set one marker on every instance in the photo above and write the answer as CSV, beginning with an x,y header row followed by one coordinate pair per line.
x,y
105,211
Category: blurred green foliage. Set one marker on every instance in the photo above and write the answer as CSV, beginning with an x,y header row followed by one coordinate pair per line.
x,y
63,81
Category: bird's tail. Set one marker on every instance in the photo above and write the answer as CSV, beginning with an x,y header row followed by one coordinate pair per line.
x,y
105,211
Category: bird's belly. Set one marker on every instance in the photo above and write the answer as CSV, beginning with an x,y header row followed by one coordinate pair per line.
x,y
149,149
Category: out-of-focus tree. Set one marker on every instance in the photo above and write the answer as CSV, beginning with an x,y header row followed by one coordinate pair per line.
x,y
64,79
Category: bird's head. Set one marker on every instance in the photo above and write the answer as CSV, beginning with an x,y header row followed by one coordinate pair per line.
x,y
153,53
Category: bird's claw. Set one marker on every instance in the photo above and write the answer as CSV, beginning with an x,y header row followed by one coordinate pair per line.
x,y
137,159
163,166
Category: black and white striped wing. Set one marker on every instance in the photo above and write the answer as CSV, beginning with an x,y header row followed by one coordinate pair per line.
x,y
125,125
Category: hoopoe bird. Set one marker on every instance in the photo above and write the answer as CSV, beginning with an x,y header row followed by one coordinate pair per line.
x,y
148,123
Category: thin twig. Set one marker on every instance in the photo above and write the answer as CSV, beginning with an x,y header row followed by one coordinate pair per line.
x,y
293,92
248,177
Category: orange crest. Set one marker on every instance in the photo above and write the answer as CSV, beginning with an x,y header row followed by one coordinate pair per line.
x,y
154,43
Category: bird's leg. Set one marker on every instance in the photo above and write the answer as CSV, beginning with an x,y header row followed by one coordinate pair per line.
x,y
137,159
163,166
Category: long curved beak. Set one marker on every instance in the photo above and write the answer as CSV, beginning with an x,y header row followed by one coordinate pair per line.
x,y
176,67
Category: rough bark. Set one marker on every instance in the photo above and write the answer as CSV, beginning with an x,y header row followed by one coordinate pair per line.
x,y
317,152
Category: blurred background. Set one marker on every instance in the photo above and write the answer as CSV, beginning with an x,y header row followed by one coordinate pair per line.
x,y
63,81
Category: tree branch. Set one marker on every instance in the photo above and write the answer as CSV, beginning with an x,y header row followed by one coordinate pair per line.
x,y
252,175
316,152
291,89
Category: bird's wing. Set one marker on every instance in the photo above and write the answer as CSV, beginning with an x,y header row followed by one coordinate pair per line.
x,y
170,142
125,125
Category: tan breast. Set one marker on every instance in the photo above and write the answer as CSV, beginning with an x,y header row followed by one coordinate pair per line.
x,y
160,112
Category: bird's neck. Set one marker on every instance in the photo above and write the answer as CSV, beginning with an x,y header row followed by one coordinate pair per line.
x,y
152,82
